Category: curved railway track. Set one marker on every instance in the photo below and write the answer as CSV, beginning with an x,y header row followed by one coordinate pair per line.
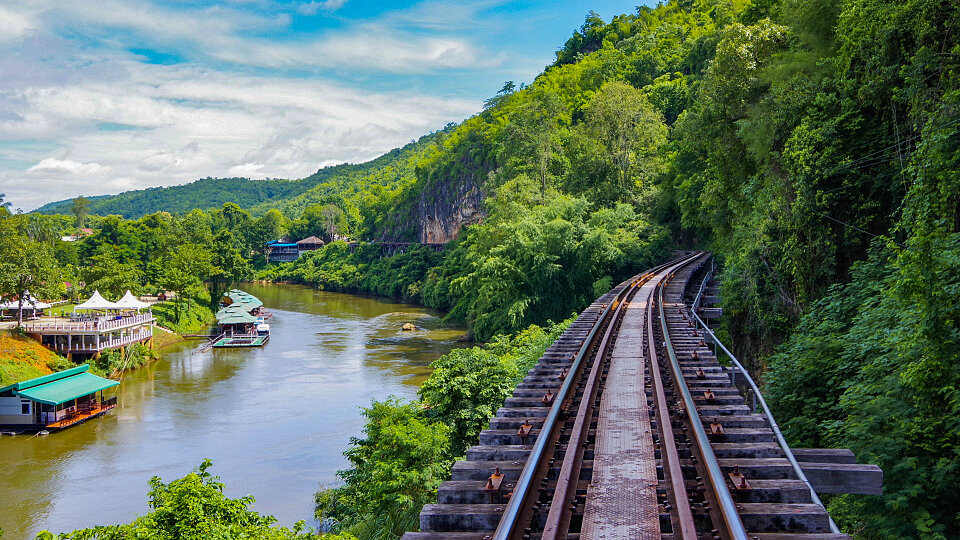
x,y
629,427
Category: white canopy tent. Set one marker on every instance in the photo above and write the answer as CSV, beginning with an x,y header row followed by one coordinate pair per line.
x,y
29,303
97,303
129,301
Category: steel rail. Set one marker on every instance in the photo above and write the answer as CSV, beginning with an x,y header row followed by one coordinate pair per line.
x,y
572,458
508,522
668,445
511,514
771,421
728,508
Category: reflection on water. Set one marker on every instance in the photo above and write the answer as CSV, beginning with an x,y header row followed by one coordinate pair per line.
x,y
274,420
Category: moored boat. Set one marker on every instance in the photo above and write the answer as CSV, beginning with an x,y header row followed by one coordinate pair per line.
x,y
241,321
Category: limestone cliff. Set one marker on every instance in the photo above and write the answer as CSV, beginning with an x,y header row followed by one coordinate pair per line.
x,y
443,210
449,194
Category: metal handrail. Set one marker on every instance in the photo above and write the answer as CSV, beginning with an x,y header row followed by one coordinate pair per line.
x,y
96,326
512,512
728,508
770,420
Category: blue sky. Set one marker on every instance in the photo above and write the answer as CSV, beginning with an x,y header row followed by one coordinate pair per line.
x,y
103,96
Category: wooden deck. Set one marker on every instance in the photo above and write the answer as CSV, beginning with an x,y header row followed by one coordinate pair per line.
x,y
241,341
82,417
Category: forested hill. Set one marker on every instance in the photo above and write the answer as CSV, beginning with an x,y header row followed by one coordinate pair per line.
x,y
812,145
258,195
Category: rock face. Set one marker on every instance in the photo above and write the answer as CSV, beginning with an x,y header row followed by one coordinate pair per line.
x,y
443,212
452,195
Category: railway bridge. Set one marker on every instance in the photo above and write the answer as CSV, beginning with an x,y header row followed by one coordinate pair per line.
x,y
630,426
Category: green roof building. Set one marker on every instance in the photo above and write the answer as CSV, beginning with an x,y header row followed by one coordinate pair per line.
x,y
55,401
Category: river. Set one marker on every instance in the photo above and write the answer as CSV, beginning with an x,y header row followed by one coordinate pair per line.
x,y
274,420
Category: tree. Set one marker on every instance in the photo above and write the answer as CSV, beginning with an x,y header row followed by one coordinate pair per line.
x,y
630,133
39,229
26,266
193,508
184,271
532,136
395,469
267,227
109,274
228,265
80,208
325,220
333,220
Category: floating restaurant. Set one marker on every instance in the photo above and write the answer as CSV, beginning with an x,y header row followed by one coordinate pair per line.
x,y
104,325
55,401
241,321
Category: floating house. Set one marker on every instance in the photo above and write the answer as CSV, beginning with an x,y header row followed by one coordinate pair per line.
x,y
278,252
241,321
55,401
97,325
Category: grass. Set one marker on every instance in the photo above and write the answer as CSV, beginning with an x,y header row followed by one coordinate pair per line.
x,y
192,321
22,358
63,310
162,337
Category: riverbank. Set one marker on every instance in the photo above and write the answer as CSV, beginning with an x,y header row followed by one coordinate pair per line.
x,y
22,358
275,421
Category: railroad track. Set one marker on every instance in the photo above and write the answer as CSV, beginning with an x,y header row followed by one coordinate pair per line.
x,y
629,427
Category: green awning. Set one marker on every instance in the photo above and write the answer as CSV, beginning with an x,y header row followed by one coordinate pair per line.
x,y
245,299
63,390
234,316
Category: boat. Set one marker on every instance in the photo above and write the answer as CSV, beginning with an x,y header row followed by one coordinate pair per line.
x,y
241,321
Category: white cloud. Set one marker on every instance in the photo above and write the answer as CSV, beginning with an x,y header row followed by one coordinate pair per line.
x,y
14,25
390,44
80,114
179,123
67,166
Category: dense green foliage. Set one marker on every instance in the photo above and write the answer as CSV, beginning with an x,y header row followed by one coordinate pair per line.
x,y
194,508
528,263
811,145
407,448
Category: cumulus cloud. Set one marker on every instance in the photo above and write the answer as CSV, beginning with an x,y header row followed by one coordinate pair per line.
x,y
185,122
83,110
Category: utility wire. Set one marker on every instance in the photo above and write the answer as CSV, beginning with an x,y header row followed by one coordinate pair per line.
x,y
854,227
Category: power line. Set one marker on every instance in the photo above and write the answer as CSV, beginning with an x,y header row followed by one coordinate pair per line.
x,y
854,227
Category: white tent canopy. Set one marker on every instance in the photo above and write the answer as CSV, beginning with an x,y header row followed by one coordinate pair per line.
x,y
97,302
129,301
29,302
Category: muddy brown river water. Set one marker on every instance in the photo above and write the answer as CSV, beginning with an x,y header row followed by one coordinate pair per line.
x,y
275,420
